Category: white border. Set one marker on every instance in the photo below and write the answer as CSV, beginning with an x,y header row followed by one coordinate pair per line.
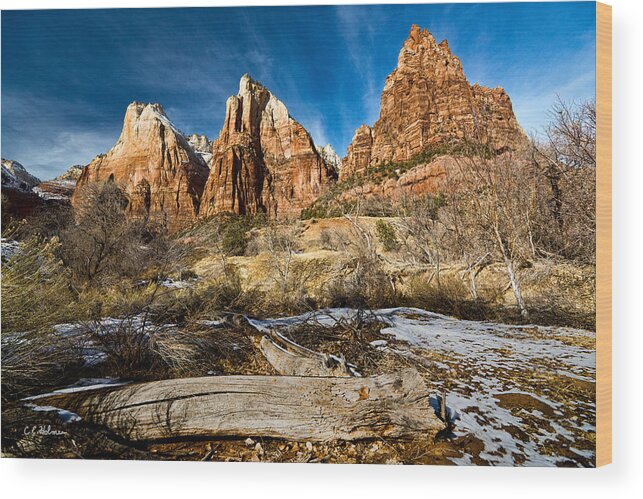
x,y
105,479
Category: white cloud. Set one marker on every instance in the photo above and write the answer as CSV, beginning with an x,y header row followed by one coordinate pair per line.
x,y
52,156
315,127
48,136
356,24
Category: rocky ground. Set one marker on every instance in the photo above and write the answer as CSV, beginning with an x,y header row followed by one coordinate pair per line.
x,y
516,395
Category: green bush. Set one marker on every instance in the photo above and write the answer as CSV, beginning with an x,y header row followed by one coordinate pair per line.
x,y
233,237
227,231
386,236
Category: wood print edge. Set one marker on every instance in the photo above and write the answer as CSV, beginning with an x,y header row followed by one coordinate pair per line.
x,y
603,234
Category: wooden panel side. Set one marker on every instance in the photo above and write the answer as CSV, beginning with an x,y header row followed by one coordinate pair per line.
x,y
603,234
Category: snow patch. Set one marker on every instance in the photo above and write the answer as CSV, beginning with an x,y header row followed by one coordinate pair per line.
x,y
64,415
483,362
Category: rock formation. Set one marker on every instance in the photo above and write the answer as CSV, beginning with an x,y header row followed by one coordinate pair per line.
x,y
330,157
427,100
72,174
17,176
156,167
62,187
430,177
18,197
263,160
359,153
202,146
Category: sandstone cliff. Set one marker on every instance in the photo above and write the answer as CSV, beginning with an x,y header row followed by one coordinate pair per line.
x,y
62,187
153,162
427,100
263,160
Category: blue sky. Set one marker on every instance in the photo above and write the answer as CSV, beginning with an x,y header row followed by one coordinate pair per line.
x,y
68,75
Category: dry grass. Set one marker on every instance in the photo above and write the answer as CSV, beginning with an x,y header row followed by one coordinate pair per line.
x,y
35,296
330,269
449,295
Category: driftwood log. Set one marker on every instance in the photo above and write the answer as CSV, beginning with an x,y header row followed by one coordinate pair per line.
x,y
292,359
288,407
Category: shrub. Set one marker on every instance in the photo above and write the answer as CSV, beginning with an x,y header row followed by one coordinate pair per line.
x,y
229,233
36,291
104,245
386,236
35,296
362,284
137,348
233,236
326,240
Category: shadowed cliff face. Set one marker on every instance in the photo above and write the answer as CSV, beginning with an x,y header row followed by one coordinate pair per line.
x,y
427,100
263,160
156,167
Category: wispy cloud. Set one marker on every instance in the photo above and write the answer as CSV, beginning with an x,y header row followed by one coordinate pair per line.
x,y
315,126
357,26
48,136
59,151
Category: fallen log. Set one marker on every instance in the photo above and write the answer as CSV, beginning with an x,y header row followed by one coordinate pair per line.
x,y
292,359
287,407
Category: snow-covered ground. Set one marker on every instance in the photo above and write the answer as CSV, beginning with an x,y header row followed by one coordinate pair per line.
x,y
524,394
82,385
9,248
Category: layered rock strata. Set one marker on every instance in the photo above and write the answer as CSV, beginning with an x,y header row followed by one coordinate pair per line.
x,y
159,171
427,100
263,159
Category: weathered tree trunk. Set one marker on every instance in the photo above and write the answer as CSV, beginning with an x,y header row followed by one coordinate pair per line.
x,y
288,407
515,286
511,272
291,359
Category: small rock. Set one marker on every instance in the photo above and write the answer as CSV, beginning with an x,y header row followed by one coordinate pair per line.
x,y
309,446
249,442
259,449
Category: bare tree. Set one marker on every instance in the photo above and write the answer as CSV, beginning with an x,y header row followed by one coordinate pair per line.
x,y
364,275
494,205
567,161
289,275
424,230
571,134
103,241
280,242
